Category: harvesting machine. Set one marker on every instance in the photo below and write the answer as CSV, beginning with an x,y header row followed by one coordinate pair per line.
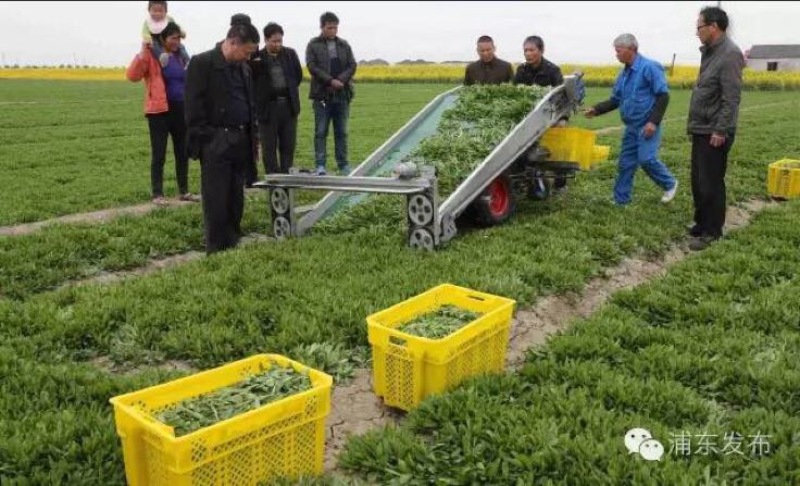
x,y
518,166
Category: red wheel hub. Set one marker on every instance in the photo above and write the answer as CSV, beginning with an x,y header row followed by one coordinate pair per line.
x,y
498,197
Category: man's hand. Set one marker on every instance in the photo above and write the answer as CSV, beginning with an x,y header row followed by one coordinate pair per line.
x,y
590,112
336,84
145,49
717,140
649,129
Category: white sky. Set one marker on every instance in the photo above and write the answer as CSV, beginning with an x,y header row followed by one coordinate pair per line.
x,y
107,33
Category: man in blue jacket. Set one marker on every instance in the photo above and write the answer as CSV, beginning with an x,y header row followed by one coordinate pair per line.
x,y
641,94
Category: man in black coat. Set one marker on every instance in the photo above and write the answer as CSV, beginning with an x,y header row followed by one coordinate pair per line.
x,y
536,70
221,124
277,73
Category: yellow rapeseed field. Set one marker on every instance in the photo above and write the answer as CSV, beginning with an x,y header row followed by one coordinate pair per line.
x,y
680,77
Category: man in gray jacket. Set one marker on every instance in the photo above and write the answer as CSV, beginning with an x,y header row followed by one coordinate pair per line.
x,y
713,113
332,65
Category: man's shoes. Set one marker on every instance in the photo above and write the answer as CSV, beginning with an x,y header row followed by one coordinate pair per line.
x,y
344,170
160,201
189,197
694,230
700,243
163,59
321,171
670,195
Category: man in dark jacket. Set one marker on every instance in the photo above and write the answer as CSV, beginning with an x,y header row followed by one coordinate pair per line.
x,y
332,65
713,113
488,69
220,119
277,74
537,70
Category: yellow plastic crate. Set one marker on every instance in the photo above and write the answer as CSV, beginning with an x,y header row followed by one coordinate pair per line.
x,y
408,368
570,144
783,180
600,154
282,438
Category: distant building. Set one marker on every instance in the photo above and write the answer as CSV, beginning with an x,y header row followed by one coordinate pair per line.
x,y
778,57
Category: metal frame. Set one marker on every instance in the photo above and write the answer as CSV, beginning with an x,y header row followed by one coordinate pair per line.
x,y
322,207
430,222
422,201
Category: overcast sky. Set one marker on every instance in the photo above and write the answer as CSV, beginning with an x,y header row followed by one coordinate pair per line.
x,y
107,33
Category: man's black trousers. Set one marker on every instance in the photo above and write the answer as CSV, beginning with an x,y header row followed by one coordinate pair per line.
x,y
708,184
222,173
278,137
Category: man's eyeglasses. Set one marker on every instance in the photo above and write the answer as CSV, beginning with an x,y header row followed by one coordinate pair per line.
x,y
701,26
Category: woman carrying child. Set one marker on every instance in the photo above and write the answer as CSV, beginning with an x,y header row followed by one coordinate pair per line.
x,y
164,108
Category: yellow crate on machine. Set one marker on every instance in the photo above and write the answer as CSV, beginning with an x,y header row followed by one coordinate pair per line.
x,y
600,154
408,368
282,438
570,144
783,179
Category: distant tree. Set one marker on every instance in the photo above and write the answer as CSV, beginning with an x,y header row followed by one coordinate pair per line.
x,y
373,62
418,61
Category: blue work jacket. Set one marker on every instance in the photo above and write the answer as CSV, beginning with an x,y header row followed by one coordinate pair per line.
x,y
636,89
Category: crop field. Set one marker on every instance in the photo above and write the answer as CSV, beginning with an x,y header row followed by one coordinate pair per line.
x,y
677,77
709,348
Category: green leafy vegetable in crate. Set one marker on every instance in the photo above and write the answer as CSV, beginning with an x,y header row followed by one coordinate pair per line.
x,y
440,323
253,392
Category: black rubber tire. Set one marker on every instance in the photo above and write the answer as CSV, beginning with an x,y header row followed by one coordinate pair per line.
x,y
535,193
496,204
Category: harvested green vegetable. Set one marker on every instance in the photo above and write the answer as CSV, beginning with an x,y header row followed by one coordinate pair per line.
x,y
253,392
440,323
482,116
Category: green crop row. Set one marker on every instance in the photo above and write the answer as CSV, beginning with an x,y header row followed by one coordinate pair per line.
x,y
709,350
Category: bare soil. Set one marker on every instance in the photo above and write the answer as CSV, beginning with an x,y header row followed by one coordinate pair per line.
x,y
92,217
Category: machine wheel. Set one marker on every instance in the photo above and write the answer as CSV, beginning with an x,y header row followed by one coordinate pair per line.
x,y
421,239
420,210
281,228
540,188
280,200
497,203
